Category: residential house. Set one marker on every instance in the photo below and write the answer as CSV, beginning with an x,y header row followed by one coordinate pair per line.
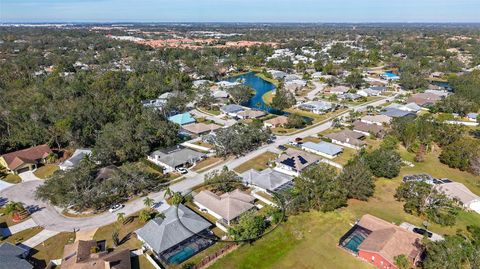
x,y
182,119
13,257
378,242
199,82
376,119
294,85
339,90
278,75
293,161
267,180
397,113
275,122
461,193
220,94
200,128
367,129
226,207
442,93
324,149
75,159
291,77
367,92
349,96
158,103
25,160
232,110
347,138
227,84
178,236
317,107
317,75
170,160
93,254
473,117
390,76
424,99
410,107
251,114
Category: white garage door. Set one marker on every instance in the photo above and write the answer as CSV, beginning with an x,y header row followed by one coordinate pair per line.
x,y
475,206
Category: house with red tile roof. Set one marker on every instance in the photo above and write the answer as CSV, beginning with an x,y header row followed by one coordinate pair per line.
x,y
378,242
25,159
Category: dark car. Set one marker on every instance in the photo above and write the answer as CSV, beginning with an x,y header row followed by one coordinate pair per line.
x,y
422,232
282,147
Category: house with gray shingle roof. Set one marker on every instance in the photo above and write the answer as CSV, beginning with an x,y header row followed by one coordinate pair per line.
x,y
293,161
268,180
347,138
170,160
13,257
324,149
181,229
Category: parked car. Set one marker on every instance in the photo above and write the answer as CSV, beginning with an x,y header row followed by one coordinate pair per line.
x,y
282,147
422,232
182,170
116,207
298,139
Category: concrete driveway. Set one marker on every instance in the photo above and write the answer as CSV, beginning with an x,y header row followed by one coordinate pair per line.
x,y
28,176
4,185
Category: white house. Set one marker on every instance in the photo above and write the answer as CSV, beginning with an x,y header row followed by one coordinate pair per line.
x,y
75,159
170,160
324,149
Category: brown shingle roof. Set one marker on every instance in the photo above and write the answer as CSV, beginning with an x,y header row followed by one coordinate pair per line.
x,y
252,113
347,136
422,99
277,121
78,256
389,240
200,128
30,155
297,159
368,128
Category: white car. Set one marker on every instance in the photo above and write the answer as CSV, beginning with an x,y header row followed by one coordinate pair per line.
x,y
182,170
116,207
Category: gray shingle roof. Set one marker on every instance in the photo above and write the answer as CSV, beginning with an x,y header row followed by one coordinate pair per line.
x,y
324,147
267,179
10,257
178,157
232,108
162,234
396,113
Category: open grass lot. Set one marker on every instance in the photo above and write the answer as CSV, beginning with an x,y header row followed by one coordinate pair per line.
x,y
46,171
206,162
345,156
310,240
268,97
125,233
140,262
52,248
258,163
22,236
10,178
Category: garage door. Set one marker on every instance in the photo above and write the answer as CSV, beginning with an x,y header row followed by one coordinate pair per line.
x,y
475,206
21,170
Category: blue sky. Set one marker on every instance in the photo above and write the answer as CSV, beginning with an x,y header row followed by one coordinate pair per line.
x,y
240,11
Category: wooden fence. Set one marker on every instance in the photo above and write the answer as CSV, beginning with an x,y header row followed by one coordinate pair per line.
x,y
212,257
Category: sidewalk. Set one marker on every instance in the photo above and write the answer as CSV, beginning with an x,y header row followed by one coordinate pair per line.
x,y
30,223
37,239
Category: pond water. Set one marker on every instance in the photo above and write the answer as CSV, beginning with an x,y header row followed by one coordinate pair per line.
x,y
261,87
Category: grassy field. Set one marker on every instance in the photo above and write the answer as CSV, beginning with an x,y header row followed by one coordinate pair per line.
x,y
52,248
204,163
310,240
258,163
267,97
125,231
22,236
10,178
46,171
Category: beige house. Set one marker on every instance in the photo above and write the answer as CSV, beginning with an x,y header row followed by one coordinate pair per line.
x,y
226,207
275,122
25,159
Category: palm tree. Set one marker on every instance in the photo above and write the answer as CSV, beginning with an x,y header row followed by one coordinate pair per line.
x,y
121,217
14,207
148,202
168,192
177,198
144,216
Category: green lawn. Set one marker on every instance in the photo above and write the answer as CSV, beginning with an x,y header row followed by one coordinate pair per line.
x,y
46,171
52,248
258,163
345,156
22,236
268,97
10,178
125,232
6,220
310,240
206,162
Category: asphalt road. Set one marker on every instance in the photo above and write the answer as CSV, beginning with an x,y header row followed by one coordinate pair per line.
x,y
51,219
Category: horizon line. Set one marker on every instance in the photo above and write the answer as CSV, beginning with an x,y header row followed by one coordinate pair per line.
x,y
237,22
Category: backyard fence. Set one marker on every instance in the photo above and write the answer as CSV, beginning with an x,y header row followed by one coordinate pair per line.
x,y
212,257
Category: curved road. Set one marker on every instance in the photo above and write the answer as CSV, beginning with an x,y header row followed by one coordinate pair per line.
x,y
50,218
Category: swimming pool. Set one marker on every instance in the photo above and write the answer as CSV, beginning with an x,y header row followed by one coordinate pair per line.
x,y
182,255
353,243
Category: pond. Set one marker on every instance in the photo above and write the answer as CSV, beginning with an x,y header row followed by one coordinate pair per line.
x,y
261,87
